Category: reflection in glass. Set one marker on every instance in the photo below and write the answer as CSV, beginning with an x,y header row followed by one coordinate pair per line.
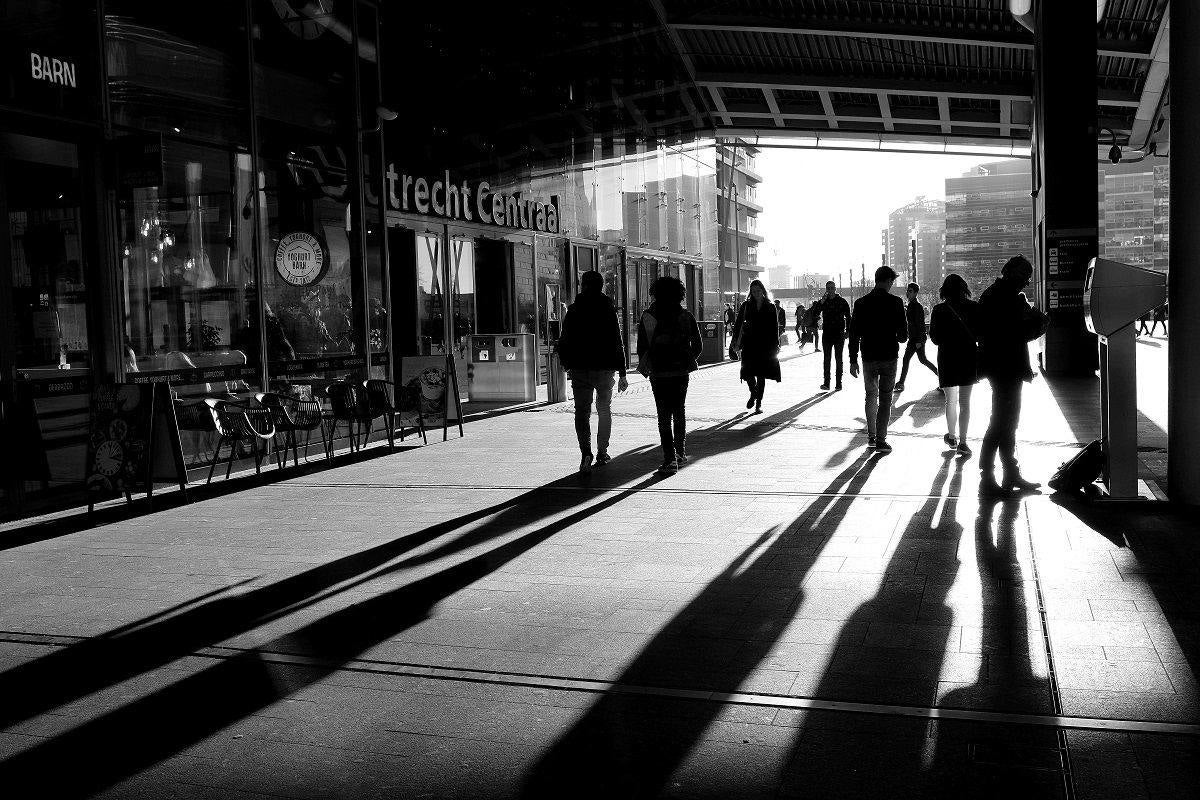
x,y
431,313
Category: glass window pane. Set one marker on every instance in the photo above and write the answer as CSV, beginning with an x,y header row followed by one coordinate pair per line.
x,y
430,298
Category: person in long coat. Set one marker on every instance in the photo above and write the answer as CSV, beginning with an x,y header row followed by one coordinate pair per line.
x,y
952,328
756,340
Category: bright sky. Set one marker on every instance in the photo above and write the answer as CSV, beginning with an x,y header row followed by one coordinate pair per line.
x,y
823,209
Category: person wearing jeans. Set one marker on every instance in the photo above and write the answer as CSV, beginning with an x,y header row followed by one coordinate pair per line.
x,y
877,326
591,349
835,314
668,345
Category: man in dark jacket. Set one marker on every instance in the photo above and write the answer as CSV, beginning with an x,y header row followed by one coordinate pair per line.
x,y
590,348
877,326
915,312
835,314
1007,323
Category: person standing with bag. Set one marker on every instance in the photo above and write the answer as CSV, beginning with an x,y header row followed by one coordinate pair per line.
x,y
1007,323
952,329
668,345
756,341
590,349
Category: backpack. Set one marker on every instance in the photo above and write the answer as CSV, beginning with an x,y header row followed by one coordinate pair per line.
x,y
1080,469
669,344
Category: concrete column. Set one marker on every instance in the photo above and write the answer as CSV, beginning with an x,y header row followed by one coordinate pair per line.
x,y
1064,178
1183,292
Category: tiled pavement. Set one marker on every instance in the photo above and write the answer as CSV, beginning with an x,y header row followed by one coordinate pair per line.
x,y
786,617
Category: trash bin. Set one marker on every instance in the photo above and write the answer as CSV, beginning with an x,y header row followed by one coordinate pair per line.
x,y
502,368
712,334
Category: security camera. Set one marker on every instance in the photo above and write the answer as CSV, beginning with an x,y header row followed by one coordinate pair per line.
x,y
1114,154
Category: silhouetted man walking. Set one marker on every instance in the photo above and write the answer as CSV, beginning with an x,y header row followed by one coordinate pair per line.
x,y
591,349
877,326
835,314
915,313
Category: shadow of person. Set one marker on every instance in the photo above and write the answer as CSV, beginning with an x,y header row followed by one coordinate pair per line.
x,y
724,438
129,738
73,672
891,650
628,746
990,760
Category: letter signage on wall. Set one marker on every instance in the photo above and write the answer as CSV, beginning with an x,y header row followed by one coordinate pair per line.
x,y
439,196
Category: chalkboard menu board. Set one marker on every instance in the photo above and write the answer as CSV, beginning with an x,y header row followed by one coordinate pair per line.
x,y
133,441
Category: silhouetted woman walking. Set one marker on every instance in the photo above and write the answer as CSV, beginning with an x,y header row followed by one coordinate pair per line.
x,y
668,345
952,329
756,336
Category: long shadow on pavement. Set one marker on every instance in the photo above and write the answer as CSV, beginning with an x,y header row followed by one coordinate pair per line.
x,y
612,751
79,670
128,739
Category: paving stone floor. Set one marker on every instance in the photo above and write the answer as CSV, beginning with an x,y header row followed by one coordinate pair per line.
x,y
788,616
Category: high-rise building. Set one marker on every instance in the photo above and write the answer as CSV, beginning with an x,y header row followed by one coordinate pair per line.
x,y
899,230
779,277
928,238
737,216
1134,201
989,219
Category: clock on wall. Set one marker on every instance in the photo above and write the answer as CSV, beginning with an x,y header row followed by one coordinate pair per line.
x,y
304,18
301,258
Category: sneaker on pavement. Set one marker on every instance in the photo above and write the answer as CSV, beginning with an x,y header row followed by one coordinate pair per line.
x,y
989,488
882,447
964,449
585,464
870,441
668,468
838,388
603,459
951,440
1015,483
681,458
824,387
898,388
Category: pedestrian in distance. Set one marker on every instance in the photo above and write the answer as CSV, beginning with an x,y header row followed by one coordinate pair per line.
x,y
835,317
729,318
811,320
877,326
668,345
915,313
1007,323
756,341
1143,321
952,329
1159,315
782,315
591,350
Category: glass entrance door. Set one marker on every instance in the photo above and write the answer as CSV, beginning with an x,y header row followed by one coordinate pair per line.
x,y
45,363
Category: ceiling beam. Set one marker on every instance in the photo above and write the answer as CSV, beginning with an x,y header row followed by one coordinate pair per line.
x,y
830,113
943,124
680,53
773,104
885,111
804,83
944,113
718,103
907,33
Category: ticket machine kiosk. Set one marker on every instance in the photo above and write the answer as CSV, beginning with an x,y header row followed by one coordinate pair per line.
x,y
1114,297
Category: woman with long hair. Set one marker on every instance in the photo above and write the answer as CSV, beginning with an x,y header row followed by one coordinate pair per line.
x,y
668,345
952,327
756,340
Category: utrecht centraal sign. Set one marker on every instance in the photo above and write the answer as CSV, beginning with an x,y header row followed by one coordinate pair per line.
x,y
442,197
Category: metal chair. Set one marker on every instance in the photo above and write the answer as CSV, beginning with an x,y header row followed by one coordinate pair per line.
x,y
383,400
291,415
348,403
241,421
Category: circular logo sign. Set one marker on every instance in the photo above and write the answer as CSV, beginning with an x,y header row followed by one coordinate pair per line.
x,y
300,259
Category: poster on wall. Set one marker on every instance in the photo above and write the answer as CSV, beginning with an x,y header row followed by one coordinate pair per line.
x,y
133,441
430,385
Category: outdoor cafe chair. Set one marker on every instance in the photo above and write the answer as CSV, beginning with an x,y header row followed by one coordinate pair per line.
x,y
348,403
382,400
291,415
239,421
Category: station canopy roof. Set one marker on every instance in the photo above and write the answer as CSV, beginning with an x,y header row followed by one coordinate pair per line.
x,y
545,80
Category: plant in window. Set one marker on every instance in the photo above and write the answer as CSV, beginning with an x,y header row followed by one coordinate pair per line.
x,y
209,337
